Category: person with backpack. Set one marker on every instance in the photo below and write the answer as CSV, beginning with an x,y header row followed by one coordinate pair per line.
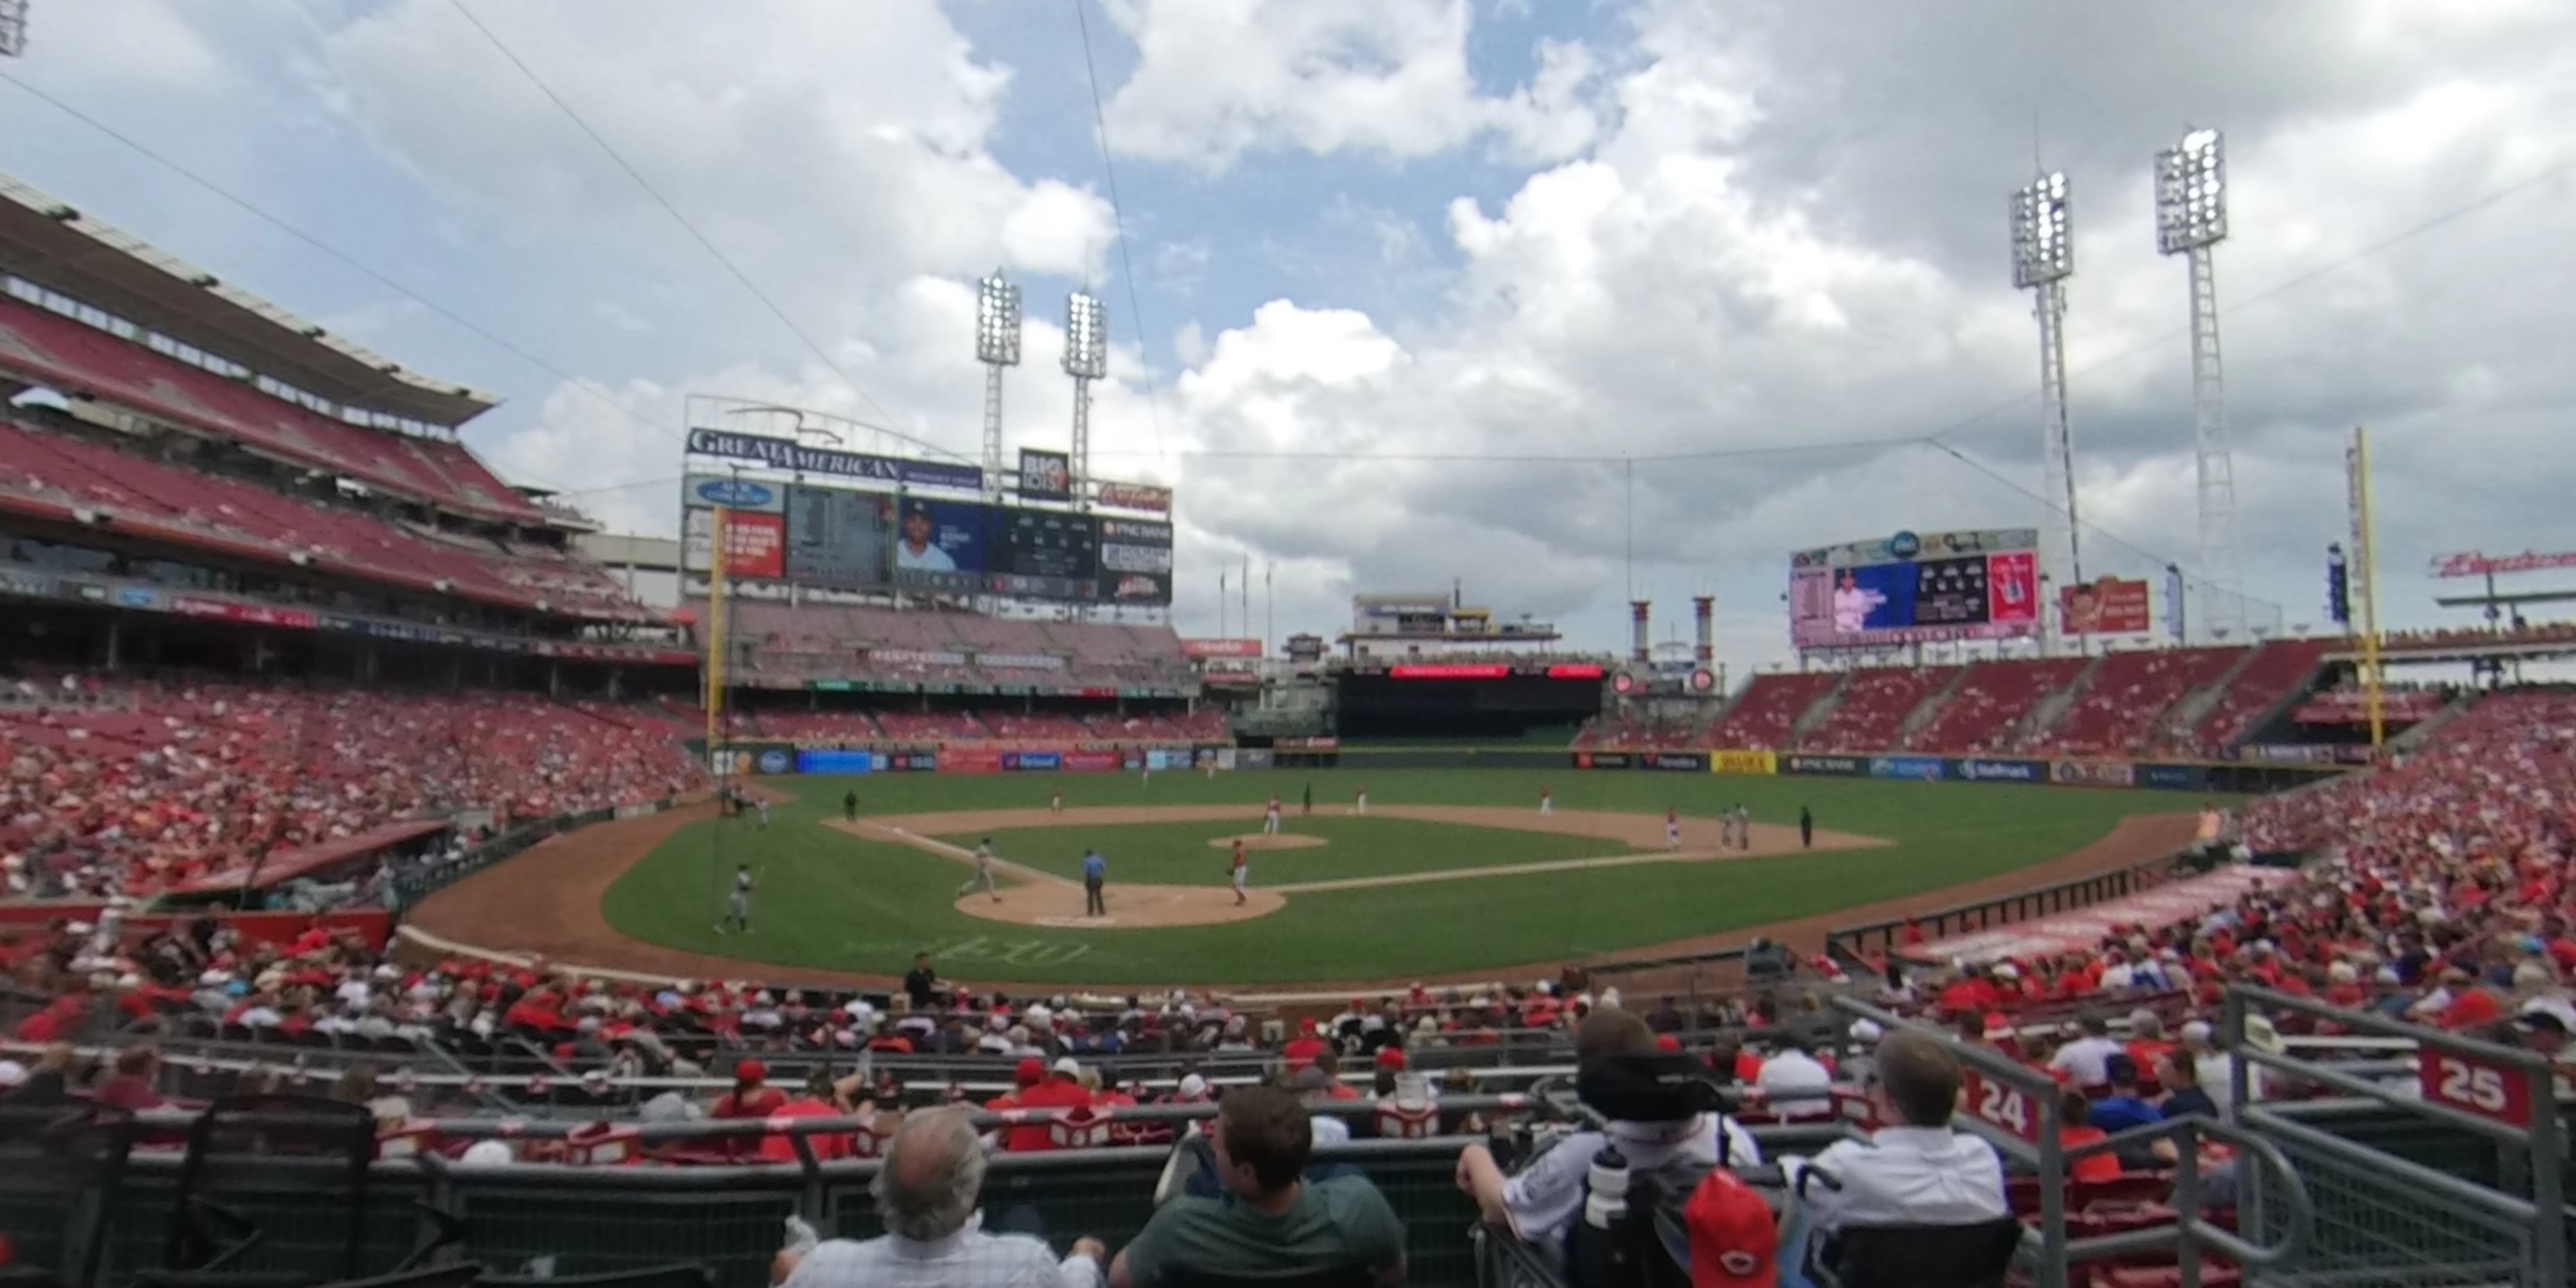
x,y
1543,1201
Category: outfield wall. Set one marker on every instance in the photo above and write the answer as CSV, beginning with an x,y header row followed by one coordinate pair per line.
x,y
2199,776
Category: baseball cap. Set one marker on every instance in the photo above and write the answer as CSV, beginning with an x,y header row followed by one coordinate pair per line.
x,y
1031,1072
1734,1240
1192,1086
2541,1012
750,1071
1389,1057
1069,1067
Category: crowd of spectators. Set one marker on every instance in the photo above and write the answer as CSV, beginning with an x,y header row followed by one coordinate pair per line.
x,y
128,787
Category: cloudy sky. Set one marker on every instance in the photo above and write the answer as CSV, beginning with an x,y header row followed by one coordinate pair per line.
x,y
1508,244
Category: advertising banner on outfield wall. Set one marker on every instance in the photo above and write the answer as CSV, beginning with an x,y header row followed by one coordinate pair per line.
x,y
2093,773
2174,778
1253,758
839,762
1927,768
970,760
1829,766
1744,762
1158,758
1602,759
1090,762
1979,769
1032,760
1680,761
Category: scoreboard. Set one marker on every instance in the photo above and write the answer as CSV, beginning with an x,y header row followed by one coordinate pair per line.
x,y
1913,588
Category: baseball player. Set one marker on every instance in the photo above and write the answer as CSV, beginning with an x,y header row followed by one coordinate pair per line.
x,y
1546,802
1743,828
738,904
983,871
1672,828
1362,807
763,806
1726,829
1243,866
1055,803
1270,818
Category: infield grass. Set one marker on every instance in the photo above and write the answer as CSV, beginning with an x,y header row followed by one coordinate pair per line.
x,y
1181,853
833,901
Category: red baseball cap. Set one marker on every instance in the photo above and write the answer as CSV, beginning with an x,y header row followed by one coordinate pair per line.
x,y
1307,1026
1390,1057
1667,1042
750,1071
1734,1240
1031,1072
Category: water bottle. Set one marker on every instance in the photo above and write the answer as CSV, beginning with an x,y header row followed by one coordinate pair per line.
x,y
1605,1198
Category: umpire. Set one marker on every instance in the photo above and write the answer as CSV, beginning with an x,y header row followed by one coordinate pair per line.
x,y
1095,872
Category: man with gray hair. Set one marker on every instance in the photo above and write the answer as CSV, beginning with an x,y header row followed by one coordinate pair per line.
x,y
926,1191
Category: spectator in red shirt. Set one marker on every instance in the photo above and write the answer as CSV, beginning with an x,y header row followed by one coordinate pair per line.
x,y
130,1088
52,1024
751,1096
1302,1050
1061,1089
823,1098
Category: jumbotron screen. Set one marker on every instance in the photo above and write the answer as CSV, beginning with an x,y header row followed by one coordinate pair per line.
x,y
1915,588
856,540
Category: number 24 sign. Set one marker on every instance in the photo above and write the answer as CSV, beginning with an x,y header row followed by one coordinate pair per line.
x,y
2000,1105
2471,1085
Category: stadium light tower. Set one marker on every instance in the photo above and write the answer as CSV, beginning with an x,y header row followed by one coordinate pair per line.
x,y
2043,257
1086,358
2191,219
997,345
13,28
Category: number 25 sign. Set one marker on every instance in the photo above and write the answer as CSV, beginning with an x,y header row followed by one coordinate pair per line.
x,y
2471,1085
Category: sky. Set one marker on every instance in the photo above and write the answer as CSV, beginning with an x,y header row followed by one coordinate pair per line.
x,y
1565,301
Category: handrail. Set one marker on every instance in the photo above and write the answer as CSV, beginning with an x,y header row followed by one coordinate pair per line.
x,y
2189,1229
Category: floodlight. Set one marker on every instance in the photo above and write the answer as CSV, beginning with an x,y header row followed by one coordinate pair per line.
x,y
2043,248
1086,337
997,322
2191,193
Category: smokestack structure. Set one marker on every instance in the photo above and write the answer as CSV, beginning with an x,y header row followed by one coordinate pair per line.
x,y
1637,610
1703,615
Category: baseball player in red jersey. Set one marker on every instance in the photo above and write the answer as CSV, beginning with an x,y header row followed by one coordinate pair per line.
x,y
1243,866
1672,828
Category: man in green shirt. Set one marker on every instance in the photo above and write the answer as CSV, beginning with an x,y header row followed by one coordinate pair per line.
x,y
1272,1220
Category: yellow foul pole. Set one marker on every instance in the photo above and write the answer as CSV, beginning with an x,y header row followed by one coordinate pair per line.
x,y
718,763
2366,570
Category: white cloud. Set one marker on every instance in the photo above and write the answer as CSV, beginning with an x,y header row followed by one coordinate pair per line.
x,y
1217,79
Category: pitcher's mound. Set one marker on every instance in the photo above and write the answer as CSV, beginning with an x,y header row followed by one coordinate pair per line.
x,y
1059,905
1266,841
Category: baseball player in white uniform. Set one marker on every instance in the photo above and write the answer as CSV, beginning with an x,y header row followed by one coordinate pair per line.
x,y
1243,868
738,904
1362,806
1055,803
1270,818
1672,829
983,871
763,806
1546,802
1743,828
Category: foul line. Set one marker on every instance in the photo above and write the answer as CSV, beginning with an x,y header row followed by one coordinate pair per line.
x,y
943,849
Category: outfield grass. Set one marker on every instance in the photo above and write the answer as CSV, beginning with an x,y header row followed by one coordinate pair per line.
x,y
832,901
1180,853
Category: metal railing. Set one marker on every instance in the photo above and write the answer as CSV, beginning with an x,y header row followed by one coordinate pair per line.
x,y
2389,1221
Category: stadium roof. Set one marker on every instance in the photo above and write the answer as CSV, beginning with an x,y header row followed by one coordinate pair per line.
x,y
56,247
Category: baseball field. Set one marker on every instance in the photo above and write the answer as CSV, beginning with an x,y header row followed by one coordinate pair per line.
x,y
1451,874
